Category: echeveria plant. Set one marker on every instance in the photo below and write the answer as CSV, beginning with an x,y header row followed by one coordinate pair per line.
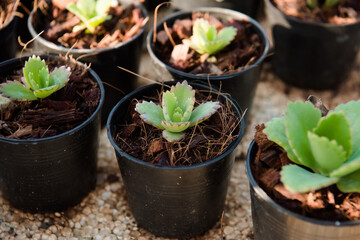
x,y
37,81
327,4
176,112
206,39
91,13
328,145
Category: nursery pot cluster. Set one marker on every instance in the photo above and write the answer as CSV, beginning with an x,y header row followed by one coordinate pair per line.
x,y
175,202
53,173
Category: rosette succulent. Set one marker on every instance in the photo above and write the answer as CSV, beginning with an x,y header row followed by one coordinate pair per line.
x,y
327,4
206,39
91,13
328,145
37,82
176,112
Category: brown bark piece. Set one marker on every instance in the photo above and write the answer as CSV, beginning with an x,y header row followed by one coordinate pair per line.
x,y
155,147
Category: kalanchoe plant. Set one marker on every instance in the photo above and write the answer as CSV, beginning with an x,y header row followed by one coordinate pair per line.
x,y
37,81
327,4
91,13
206,39
328,145
176,112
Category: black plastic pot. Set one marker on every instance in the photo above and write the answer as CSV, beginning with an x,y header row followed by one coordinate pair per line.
x,y
311,54
151,4
104,62
272,221
249,7
8,39
241,85
174,202
54,173
22,28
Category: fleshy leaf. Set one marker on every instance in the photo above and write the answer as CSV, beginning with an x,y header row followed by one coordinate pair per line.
x,y
350,183
45,92
87,7
312,3
203,112
184,93
352,112
299,119
102,6
44,77
4,103
335,126
172,136
97,20
350,165
59,76
330,3
187,114
275,131
150,113
169,103
175,127
17,91
327,153
31,70
300,180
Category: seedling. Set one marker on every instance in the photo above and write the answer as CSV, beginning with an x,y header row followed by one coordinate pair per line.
x,y
37,82
327,4
91,13
206,39
329,146
176,112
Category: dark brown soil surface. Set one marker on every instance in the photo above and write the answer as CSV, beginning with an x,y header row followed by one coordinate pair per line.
x,y
57,23
325,204
243,51
7,10
58,113
347,11
203,142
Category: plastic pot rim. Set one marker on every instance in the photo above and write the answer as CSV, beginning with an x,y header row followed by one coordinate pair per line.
x,y
259,191
92,74
311,23
229,149
224,11
59,47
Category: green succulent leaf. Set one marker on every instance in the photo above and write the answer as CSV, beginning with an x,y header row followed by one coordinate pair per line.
x,y
352,112
175,127
203,112
169,104
299,119
4,102
350,183
327,153
312,3
172,136
184,94
300,180
206,40
17,91
87,7
351,165
31,71
102,6
45,92
151,113
275,131
330,3
59,76
339,130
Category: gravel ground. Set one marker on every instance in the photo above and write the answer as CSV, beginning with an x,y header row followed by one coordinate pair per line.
x,y
105,214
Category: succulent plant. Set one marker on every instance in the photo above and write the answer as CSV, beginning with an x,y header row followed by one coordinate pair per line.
x,y
206,39
37,82
328,145
91,13
176,112
327,4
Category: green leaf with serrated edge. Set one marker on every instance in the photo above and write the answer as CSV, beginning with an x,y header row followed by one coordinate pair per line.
x,y
335,126
97,20
87,7
275,131
299,180
350,183
227,34
352,112
17,91
187,114
299,119
43,78
349,166
184,93
102,6
327,153
172,136
33,66
73,8
175,127
45,92
203,112
178,113
169,103
59,76
150,113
